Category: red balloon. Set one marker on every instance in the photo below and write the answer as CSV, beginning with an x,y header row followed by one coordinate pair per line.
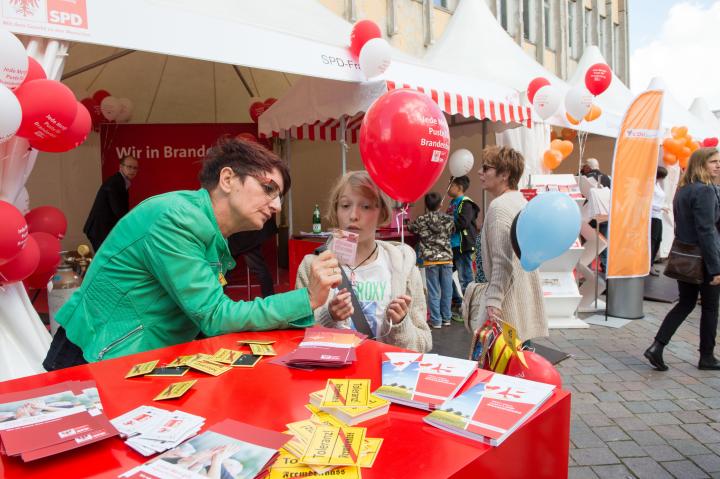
x,y
35,71
22,265
13,232
539,369
47,219
404,143
257,109
38,280
49,247
710,142
72,138
362,32
48,107
95,113
534,86
269,102
598,78
99,95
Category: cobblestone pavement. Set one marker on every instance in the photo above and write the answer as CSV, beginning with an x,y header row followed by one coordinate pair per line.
x,y
628,420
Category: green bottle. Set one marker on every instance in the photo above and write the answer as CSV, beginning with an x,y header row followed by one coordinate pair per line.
x,y
317,226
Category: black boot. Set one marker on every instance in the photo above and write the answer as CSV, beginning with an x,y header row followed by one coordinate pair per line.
x,y
654,355
709,361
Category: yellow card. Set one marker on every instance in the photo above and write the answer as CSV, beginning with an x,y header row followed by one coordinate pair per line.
x,y
334,446
227,356
346,472
256,341
181,360
175,390
369,451
346,393
141,369
510,336
303,429
295,446
262,349
324,417
209,367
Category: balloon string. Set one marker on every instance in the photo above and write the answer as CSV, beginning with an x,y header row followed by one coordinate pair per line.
x,y
447,190
399,221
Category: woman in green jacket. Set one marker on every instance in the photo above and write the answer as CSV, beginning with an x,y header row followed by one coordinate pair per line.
x,y
158,278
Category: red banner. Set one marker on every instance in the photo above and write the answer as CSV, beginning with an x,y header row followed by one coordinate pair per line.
x,y
169,155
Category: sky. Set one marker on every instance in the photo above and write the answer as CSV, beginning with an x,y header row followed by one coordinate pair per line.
x,y
678,40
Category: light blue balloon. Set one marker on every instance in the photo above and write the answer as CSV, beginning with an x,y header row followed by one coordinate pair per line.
x,y
546,228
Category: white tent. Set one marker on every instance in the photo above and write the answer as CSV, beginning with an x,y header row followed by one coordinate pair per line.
x,y
701,110
674,114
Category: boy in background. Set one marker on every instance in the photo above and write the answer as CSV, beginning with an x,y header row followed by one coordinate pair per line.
x,y
434,229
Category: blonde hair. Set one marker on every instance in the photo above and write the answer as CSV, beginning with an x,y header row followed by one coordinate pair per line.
x,y
360,182
697,167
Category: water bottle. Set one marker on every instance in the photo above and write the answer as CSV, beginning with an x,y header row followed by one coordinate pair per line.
x,y
316,225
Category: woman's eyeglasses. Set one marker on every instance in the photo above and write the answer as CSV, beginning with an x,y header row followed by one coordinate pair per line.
x,y
485,168
271,189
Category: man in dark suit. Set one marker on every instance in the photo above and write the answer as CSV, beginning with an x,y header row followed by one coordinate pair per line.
x,y
111,202
249,244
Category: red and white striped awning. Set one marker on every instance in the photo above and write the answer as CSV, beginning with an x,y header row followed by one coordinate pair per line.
x,y
313,108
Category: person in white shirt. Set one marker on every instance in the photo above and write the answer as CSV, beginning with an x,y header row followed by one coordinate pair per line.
x,y
658,208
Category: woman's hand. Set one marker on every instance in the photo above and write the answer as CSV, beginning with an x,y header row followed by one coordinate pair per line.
x,y
324,275
715,281
398,308
494,313
340,307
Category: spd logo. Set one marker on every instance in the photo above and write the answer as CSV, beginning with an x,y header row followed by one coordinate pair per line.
x,y
67,13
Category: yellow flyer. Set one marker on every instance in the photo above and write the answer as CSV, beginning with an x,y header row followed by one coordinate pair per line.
x,y
175,390
141,369
323,417
346,393
262,349
369,451
227,356
209,367
334,446
256,341
510,336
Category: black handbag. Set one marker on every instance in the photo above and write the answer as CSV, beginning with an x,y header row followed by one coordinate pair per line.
x,y
685,263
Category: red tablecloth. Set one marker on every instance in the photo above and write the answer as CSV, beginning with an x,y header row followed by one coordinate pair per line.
x,y
271,396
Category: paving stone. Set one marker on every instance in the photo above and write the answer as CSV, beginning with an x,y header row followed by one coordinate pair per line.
x,y
692,404
688,447
659,419
634,395
663,452
597,420
646,468
702,432
655,393
684,469
613,472
671,432
594,456
632,424
713,414
608,396
615,410
626,449
646,438
665,405
586,439
707,462
690,417
610,433
639,406
581,472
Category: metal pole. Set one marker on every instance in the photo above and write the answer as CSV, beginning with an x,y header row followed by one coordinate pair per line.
x,y
96,64
597,261
286,157
343,144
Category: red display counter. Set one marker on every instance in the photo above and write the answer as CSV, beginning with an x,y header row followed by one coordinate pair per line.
x,y
271,396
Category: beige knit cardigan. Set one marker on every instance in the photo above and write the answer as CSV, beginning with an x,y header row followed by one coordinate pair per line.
x,y
412,332
517,293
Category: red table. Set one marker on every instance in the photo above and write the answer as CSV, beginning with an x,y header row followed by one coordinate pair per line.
x,y
271,396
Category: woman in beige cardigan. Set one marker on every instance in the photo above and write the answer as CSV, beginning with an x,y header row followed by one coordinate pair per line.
x,y
513,294
385,277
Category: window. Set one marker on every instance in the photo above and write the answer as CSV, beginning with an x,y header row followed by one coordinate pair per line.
x,y
528,24
549,30
616,48
602,44
587,31
503,14
573,41
441,3
508,15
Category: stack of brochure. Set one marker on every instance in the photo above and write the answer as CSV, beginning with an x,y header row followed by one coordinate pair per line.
x,y
349,400
50,420
424,381
324,347
150,430
229,449
492,408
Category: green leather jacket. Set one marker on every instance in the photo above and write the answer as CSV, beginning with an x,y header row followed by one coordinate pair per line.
x,y
156,282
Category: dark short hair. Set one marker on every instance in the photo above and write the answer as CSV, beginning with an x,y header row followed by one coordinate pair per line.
x,y
122,160
505,160
661,172
462,181
245,158
432,201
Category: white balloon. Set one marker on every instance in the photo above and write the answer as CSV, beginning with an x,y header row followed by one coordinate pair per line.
x,y
126,108
375,57
13,60
110,107
578,101
10,114
547,101
461,162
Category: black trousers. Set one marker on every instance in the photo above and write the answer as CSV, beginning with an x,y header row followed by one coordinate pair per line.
x,y
62,353
256,263
708,315
655,238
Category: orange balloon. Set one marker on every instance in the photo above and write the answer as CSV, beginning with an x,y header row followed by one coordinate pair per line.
x,y
594,113
669,159
565,148
684,153
684,162
568,134
672,145
552,159
679,131
693,145
572,120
